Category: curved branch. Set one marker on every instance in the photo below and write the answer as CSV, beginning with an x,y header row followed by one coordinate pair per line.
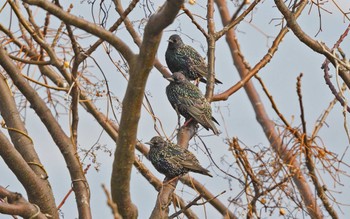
x,y
236,21
245,79
308,41
161,68
262,63
34,186
16,205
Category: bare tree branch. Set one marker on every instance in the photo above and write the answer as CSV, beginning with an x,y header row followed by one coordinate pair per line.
x,y
85,25
34,177
262,63
140,67
308,41
200,188
41,57
267,125
36,188
111,204
13,203
63,142
307,144
211,51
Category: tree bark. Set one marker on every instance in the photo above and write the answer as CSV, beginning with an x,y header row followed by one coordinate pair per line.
x,y
140,66
60,138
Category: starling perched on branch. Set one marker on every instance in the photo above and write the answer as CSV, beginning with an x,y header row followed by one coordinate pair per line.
x,y
182,57
188,100
172,160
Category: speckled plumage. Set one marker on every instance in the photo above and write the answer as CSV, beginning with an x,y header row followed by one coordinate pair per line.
x,y
188,100
182,57
172,160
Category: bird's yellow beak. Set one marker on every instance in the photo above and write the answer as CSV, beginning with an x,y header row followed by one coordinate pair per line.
x,y
170,79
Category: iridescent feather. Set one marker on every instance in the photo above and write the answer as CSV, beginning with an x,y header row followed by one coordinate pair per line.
x,y
172,160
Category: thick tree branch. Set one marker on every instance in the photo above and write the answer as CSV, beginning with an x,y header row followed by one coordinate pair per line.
x,y
211,50
40,192
13,203
140,66
61,139
161,68
35,187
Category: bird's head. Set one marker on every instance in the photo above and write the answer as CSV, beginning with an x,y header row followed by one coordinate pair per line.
x,y
177,77
155,141
175,41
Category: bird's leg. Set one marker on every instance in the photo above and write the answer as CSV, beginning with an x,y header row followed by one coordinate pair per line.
x,y
178,117
178,120
168,181
187,122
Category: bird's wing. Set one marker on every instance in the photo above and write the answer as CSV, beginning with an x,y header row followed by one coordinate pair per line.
x,y
201,112
198,110
184,157
196,61
175,154
190,55
194,55
189,96
190,162
192,106
201,70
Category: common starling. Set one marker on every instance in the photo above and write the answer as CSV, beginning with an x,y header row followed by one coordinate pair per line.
x,y
188,100
182,57
172,160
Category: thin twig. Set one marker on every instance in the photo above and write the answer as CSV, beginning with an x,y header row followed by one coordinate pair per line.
x,y
112,205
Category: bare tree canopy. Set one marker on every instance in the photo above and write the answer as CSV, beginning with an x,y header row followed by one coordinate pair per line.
x,y
84,93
